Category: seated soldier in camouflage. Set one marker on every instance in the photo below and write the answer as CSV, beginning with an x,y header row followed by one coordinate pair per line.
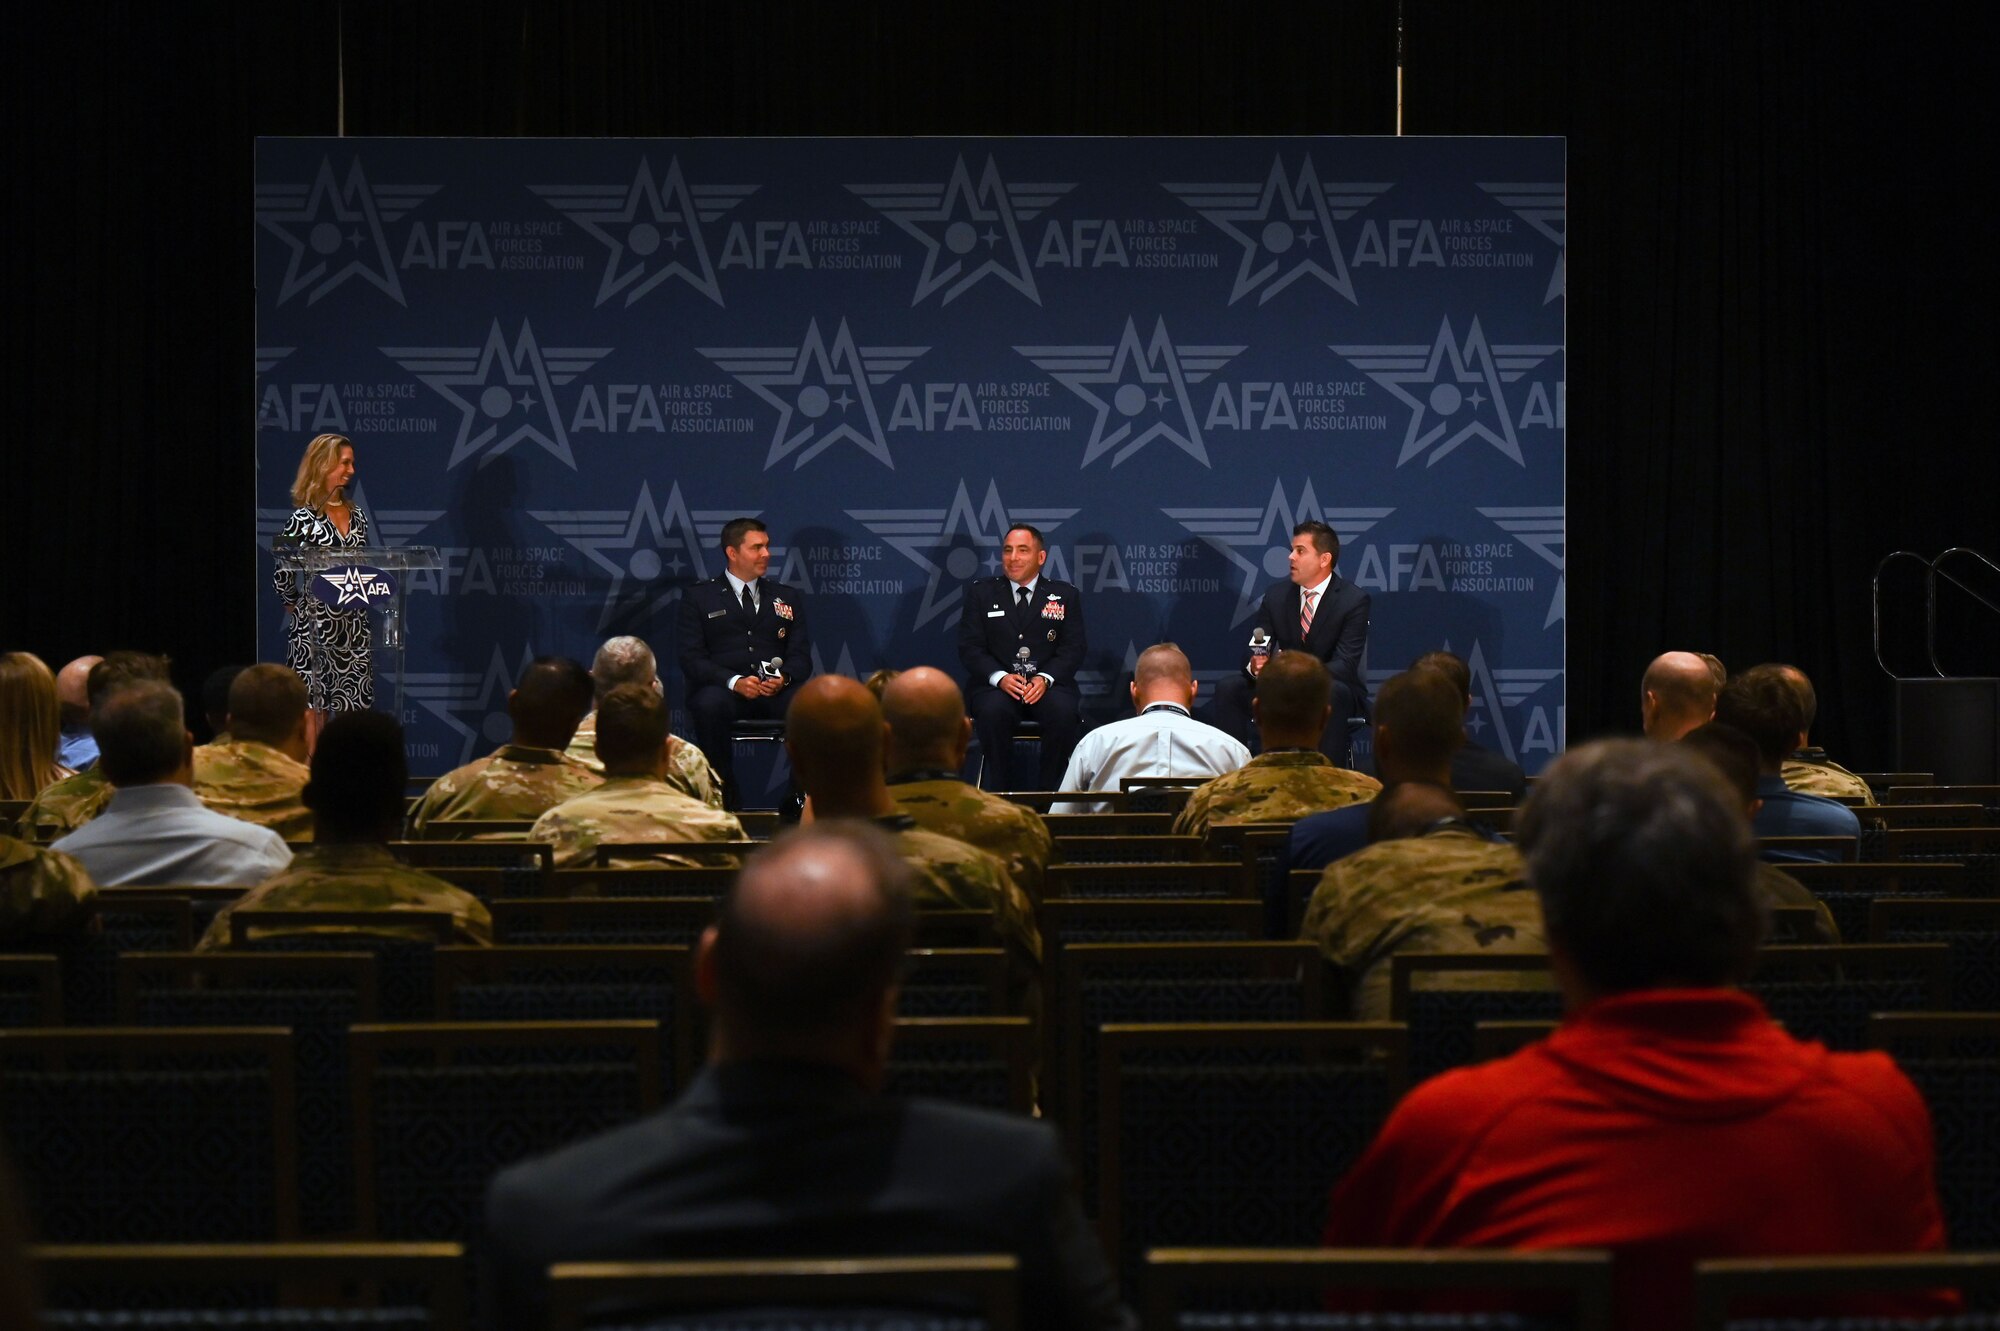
x,y
526,777
1429,882
627,660
1291,777
1734,754
356,797
929,734
75,800
44,895
1809,771
635,803
834,734
256,774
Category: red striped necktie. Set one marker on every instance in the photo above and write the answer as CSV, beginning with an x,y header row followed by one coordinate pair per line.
x,y
1306,613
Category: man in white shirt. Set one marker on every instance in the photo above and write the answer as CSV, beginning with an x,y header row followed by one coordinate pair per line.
x,y
154,830
1164,739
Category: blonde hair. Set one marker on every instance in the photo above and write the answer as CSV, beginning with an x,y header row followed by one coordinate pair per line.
x,y
31,723
309,488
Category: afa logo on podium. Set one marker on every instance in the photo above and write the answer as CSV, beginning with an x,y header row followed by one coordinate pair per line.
x,y
567,363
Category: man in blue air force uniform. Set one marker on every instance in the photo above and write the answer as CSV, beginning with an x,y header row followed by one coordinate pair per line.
x,y
731,629
1021,640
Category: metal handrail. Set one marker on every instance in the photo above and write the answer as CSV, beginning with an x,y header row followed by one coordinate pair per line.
x,y
1875,606
1933,570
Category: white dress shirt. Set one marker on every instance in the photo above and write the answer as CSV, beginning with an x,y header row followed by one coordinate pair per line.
x,y
1014,599
1163,740
163,834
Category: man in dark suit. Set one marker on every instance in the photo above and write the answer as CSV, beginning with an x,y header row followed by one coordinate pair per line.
x,y
783,1146
731,628
1318,612
1021,640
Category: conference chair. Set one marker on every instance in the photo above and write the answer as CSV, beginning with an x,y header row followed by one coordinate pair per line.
x,y
1970,928
602,921
405,959
1719,1285
953,982
30,991
1827,993
1848,890
1163,879
1954,1060
1442,996
849,1293
985,1062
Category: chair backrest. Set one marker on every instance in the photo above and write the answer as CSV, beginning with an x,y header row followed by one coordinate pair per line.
x,y
1180,1278
1067,920
1720,1284
439,1108
990,1284
1954,1061
476,829
1977,848
1065,825
1497,1039
1178,1163
986,1062
145,919
130,1135
648,880
1962,814
438,856
30,991
1156,794
1970,927
758,824
403,940
1041,800
1814,849
954,982
1849,890
1987,797
1443,996
1164,878
724,854
1126,849
234,1282
1880,783
675,921
1826,993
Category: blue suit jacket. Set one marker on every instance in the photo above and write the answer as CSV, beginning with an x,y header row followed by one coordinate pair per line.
x,y
717,638
1339,629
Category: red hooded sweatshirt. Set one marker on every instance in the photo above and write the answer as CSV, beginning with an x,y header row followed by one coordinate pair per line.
x,y
1668,1126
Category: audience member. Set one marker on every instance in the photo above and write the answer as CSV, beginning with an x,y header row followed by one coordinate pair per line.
x,y
1715,668
1164,739
1677,694
154,830
30,727
356,798
1430,881
258,770
1735,756
530,775
1291,777
880,680
1763,704
44,895
784,1145
636,802
215,700
76,750
75,800
1668,1120
929,734
1419,722
1809,771
1473,765
628,660
835,736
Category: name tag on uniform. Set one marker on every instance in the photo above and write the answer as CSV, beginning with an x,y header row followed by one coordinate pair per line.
x,y
995,614
717,614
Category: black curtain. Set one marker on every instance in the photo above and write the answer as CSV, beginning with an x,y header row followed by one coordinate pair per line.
x,y
1778,295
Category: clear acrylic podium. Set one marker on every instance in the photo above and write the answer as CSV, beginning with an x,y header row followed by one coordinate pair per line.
x,y
359,579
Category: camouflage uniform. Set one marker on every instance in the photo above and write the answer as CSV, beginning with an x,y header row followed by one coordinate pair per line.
x,y
631,808
513,782
952,875
1450,890
254,782
690,775
1778,888
940,802
1811,772
351,876
43,893
66,805
1279,787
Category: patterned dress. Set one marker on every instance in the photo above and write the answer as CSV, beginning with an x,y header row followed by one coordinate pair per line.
x,y
342,680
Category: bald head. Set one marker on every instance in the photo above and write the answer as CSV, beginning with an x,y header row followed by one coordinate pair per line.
x,y
835,736
1162,674
1677,695
928,727
72,686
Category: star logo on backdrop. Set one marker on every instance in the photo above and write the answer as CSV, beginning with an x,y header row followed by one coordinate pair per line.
x,y
1256,541
1285,224
1545,207
1139,389
332,230
822,391
1494,692
505,393
969,229
651,229
386,526
1458,394
946,543
1541,530
657,546
455,697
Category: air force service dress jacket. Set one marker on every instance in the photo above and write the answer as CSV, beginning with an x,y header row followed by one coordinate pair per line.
x,y
719,638
994,629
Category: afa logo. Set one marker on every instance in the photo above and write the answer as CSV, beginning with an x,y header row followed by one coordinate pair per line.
x,y
1257,540
297,407
471,704
970,228
505,391
1543,205
651,228
1138,387
1285,224
823,391
1526,728
1455,391
648,551
954,544
1541,530
333,228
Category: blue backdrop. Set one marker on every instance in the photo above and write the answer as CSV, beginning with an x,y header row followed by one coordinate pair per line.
x,y
568,362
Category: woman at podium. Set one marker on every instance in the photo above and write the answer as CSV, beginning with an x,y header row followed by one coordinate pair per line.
x,y
339,675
